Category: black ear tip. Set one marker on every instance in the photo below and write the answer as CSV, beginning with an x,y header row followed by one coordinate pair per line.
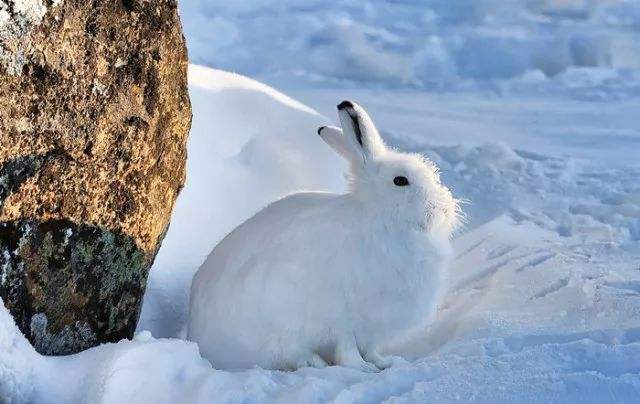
x,y
345,104
320,129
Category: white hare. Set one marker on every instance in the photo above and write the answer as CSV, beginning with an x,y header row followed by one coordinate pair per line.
x,y
320,278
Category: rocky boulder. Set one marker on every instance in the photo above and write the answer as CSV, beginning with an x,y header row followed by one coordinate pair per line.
x,y
94,117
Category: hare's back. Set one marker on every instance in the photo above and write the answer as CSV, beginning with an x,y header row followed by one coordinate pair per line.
x,y
280,218
264,235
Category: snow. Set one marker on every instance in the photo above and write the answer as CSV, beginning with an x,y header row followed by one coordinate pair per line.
x,y
531,112
17,361
423,44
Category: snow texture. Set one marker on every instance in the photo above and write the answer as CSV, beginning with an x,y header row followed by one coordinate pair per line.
x,y
544,299
434,44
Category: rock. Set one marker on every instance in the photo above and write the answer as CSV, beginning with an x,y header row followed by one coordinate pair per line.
x,y
94,117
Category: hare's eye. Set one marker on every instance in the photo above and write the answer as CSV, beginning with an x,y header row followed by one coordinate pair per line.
x,y
401,181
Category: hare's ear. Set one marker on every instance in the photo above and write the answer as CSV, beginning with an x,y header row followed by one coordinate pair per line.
x,y
358,127
334,137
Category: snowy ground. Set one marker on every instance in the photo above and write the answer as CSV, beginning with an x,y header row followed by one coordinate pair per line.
x,y
537,127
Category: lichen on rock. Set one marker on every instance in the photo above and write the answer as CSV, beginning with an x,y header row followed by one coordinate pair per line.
x,y
83,280
94,116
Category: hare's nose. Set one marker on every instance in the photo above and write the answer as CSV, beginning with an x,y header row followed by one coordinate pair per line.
x,y
345,104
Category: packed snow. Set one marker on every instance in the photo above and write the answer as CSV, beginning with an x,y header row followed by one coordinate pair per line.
x,y
531,112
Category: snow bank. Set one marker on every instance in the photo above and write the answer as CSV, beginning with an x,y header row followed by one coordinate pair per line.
x,y
433,44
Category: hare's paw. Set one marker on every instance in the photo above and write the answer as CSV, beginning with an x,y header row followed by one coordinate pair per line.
x,y
382,362
360,365
347,355
368,367
313,361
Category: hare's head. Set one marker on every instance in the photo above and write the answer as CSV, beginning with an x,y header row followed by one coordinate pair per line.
x,y
402,187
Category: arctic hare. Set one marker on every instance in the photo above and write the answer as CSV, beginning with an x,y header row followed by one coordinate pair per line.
x,y
320,278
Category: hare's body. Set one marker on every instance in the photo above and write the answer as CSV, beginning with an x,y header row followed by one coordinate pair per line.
x,y
272,298
319,278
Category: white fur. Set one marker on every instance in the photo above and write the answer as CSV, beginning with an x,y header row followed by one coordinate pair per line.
x,y
319,278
